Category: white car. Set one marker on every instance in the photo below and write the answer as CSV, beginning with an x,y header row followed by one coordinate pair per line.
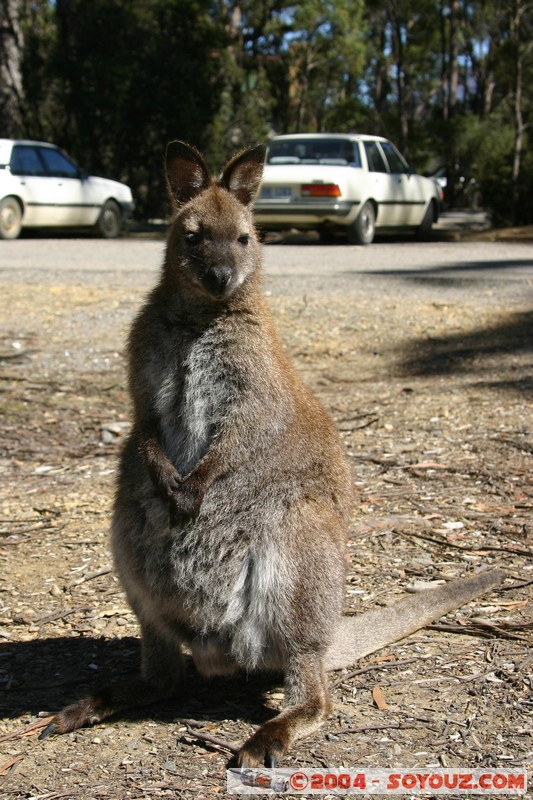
x,y
350,182
40,187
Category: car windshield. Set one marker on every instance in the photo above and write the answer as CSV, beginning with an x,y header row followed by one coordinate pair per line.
x,y
339,152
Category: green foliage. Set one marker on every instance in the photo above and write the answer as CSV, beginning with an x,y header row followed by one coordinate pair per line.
x,y
351,115
487,146
128,76
244,109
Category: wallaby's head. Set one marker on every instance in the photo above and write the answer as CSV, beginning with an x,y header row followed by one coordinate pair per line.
x,y
212,248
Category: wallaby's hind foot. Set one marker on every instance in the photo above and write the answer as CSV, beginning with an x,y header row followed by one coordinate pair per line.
x,y
272,740
161,677
307,707
104,703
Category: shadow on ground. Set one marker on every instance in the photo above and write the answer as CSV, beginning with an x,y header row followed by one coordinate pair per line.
x,y
448,274
473,352
45,674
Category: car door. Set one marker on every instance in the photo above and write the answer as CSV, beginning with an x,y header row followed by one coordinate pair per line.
x,y
39,193
71,204
382,186
406,188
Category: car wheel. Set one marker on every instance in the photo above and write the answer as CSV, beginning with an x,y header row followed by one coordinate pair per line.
x,y
109,222
10,218
363,228
424,230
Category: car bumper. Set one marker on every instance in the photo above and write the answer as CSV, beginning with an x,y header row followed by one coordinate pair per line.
x,y
298,214
127,210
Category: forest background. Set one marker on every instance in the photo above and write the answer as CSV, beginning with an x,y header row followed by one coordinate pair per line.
x,y
112,81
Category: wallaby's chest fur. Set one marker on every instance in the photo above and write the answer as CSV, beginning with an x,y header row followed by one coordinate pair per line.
x,y
194,394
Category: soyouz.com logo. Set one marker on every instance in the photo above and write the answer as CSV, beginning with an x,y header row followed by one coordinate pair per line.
x,y
481,782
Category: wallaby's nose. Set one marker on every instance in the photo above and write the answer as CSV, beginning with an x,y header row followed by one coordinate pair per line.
x,y
218,279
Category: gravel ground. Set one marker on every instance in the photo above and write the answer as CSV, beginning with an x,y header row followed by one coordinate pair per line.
x,y
422,353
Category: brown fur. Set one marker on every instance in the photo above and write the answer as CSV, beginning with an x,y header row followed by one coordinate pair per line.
x,y
234,491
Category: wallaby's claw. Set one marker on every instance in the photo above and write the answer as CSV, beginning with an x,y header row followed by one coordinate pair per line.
x,y
169,484
250,760
50,730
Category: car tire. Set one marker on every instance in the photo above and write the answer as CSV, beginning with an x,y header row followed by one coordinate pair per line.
x,y
363,228
109,224
10,218
424,230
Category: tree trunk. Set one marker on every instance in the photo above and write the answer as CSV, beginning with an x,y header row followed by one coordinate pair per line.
x,y
517,109
11,44
444,64
454,57
400,80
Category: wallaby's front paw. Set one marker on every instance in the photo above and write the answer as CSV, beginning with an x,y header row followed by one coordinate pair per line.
x,y
167,480
187,500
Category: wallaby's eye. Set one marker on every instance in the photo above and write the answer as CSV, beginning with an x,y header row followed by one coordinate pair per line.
x,y
193,238
244,239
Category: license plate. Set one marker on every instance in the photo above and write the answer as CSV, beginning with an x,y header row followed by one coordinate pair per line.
x,y
276,193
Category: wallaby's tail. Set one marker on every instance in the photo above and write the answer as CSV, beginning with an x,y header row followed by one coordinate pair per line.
x,y
363,634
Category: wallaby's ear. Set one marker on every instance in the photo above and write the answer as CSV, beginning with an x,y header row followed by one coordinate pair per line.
x,y
242,175
187,173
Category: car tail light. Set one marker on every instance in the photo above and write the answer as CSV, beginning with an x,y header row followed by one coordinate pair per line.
x,y
320,190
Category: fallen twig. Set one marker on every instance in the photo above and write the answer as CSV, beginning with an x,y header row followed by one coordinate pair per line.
x,y
484,629
56,795
22,531
446,543
206,737
90,575
30,730
366,728
9,765
54,616
191,723
520,584
372,668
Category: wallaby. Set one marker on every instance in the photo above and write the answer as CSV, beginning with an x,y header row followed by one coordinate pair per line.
x,y
234,490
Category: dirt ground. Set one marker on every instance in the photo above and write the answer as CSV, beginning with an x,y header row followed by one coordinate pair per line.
x,y
433,401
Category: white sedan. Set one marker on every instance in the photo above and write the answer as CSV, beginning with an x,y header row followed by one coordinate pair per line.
x,y
40,187
351,182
